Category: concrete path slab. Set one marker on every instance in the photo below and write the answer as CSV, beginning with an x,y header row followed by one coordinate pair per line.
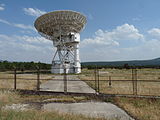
x,y
57,84
90,109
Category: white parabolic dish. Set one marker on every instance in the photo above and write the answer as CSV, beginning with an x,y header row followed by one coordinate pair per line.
x,y
63,28
56,23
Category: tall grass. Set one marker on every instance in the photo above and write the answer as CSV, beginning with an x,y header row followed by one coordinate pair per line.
x,y
8,97
40,115
141,108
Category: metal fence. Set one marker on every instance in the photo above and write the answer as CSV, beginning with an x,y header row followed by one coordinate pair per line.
x,y
124,81
108,81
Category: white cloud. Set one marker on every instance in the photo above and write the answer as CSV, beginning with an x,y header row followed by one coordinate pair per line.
x,y
124,32
127,32
22,26
149,50
155,32
35,40
25,48
100,39
131,45
5,22
25,39
2,7
33,11
29,27
125,42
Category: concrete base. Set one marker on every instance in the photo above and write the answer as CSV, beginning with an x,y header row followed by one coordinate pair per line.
x,y
59,69
102,110
57,85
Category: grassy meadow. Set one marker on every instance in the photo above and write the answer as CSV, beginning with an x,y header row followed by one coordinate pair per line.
x,y
24,81
139,108
8,98
148,80
121,81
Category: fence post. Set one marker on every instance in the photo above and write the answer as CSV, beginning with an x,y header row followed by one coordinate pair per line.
x,y
95,73
65,80
135,81
98,79
15,78
110,83
38,78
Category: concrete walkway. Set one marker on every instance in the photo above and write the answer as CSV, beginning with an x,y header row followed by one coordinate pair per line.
x,y
90,109
57,84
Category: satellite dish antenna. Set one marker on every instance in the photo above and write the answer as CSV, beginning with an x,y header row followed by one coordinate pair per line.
x,y
63,28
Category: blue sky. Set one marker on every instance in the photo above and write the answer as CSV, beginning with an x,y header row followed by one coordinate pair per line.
x,y
115,30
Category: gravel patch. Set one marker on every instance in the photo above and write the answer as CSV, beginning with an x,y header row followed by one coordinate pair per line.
x,y
16,107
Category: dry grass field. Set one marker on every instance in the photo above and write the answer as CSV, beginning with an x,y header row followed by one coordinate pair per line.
x,y
24,81
148,81
140,108
8,98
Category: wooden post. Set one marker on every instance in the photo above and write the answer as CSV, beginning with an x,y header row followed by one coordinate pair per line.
x,y
135,81
95,76
38,78
133,78
65,80
15,78
110,83
98,79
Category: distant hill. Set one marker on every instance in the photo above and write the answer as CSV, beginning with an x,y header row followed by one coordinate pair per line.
x,y
153,62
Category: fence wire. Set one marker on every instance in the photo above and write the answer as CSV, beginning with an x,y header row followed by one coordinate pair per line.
x,y
108,81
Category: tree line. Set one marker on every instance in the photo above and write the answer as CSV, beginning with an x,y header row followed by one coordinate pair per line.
x,y
6,65
124,66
